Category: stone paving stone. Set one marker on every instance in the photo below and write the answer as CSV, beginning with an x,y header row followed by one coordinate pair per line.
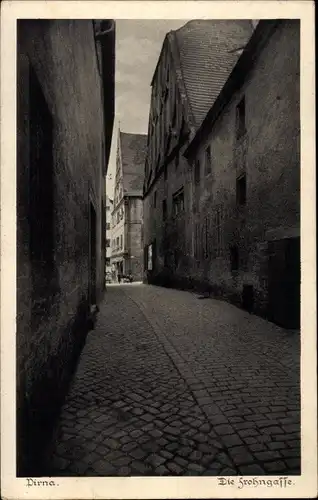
x,y
174,468
121,461
123,471
293,463
223,430
275,467
231,440
138,453
240,455
162,471
251,470
227,471
267,455
290,452
196,468
156,460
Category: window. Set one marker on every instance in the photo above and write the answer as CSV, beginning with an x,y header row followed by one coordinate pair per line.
x,y
240,119
164,209
121,241
197,172
177,160
165,172
117,242
107,243
241,190
208,160
155,199
149,260
178,202
218,232
234,258
107,261
107,226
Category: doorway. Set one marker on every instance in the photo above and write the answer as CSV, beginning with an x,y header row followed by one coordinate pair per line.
x,y
284,282
92,254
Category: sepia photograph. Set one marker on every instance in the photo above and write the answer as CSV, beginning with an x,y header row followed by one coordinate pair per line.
x,y
158,249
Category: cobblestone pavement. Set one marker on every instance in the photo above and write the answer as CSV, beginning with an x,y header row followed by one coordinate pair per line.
x,y
168,384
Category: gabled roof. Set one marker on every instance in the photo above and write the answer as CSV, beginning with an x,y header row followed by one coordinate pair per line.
x,y
263,30
206,52
133,153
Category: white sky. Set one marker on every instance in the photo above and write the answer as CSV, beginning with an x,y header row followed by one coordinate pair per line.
x,y
138,46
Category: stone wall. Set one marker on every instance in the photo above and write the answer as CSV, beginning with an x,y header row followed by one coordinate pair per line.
x,y
62,56
269,154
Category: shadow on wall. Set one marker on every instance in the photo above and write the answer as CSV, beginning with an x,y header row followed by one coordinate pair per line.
x,y
247,300
37,415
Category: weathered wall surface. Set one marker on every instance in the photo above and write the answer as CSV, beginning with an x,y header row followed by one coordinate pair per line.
x,y
194,247
134,243
270,155
62,55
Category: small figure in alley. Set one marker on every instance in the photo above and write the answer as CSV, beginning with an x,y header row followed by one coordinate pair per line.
x,y
195,193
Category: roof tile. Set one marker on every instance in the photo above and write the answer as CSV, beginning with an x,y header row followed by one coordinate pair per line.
x,y
133,154
208,52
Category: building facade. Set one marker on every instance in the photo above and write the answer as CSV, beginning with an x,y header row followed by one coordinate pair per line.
x,y
109,210
64,130
236,224
246,179
200,51
127,216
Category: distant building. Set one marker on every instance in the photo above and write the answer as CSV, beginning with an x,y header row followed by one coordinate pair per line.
x,y
245,184
194,63
64,129
109,210
127,217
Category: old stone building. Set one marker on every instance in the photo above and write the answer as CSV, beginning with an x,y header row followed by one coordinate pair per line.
x,y
65,110
109,211
245,180
234,206
194,63
127,218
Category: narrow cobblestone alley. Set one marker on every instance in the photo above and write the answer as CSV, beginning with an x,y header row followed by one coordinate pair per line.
x,y
168,384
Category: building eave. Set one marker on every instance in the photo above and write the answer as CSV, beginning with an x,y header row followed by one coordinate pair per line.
x,y
106,39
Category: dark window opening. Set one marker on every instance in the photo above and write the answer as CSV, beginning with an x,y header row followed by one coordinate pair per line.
x,y
234,257
177,160
164,209
208,161
178,202
174,116
197,172
107,261
176,258
241,190
240,119
92,255
107,243
107,226
165,172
